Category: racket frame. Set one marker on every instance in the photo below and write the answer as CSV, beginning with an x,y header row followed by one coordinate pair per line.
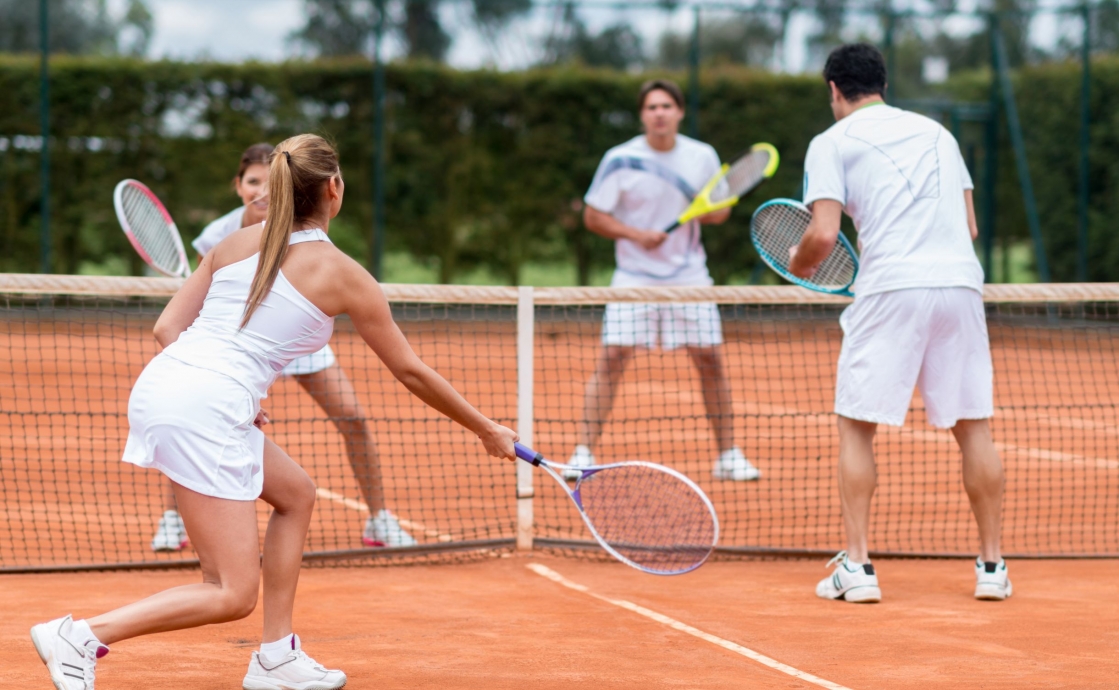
x,y
844,291
701,205
176,237
555,469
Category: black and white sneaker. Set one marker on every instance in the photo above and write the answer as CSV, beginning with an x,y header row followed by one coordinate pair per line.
x,y
856,583
70,660
992,581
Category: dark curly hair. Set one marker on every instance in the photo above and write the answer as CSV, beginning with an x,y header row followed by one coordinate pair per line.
x,y
858,70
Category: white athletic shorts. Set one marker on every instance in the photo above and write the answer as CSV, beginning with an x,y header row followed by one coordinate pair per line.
x,y
312,363
694,324
935,338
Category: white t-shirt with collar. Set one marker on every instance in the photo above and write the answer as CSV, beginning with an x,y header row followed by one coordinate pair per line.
x,y
218,230
648,189
901,179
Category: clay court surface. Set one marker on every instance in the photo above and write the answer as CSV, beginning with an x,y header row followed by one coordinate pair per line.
x,y
500,624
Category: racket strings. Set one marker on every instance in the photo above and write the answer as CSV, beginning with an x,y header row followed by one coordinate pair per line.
x,y
778,227
746,173
650,517
150,228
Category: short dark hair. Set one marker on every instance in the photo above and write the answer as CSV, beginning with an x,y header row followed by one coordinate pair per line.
x,y
257,153
665,85
858,70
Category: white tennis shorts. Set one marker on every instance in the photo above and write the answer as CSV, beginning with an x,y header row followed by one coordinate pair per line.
x,y
672,325
312,363
935,338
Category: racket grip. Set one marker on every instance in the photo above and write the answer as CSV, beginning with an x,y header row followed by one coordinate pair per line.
x,y
672,227
527,454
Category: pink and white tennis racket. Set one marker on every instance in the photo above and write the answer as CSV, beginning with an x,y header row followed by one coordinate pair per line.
x,y
149,228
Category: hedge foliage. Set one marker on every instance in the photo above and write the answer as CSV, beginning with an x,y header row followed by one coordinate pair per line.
x,y
484,168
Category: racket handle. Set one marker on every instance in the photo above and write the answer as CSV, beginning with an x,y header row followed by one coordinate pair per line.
x,y
527,454
672,227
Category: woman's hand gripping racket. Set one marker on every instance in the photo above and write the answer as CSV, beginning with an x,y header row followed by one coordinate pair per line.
x,y
779,225
732,183
149,228
646,515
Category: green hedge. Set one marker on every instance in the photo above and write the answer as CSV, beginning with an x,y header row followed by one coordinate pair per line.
x,y
485,169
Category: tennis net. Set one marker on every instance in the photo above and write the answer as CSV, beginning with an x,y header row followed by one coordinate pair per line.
x,y
71,347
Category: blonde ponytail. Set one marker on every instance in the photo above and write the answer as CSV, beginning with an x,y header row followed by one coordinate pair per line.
x,y
297,176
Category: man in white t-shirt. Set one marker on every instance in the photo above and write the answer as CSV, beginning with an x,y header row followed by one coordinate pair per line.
x,y
918,314
640,188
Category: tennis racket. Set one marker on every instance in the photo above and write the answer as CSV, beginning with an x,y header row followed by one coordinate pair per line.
x,y
149,228
780,224
741,178
647,516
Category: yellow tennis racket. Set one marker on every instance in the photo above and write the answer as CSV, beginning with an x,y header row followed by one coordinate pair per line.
x,y
731,183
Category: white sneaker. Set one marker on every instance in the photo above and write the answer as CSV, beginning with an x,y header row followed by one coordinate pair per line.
x,y
732,465
850,582
296,671
383,529
992,581
70,660
582,457
171,534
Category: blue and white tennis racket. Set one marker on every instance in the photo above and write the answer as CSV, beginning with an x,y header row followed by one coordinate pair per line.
x,y
646,515
780,224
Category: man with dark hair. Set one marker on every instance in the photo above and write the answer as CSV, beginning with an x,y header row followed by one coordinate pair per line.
x,y
640,188
918,316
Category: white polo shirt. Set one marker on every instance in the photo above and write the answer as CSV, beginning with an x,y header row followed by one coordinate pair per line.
x,y
901,179
648,189
218,230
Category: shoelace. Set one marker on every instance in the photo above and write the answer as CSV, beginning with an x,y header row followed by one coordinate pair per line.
x,y
302,656
838,557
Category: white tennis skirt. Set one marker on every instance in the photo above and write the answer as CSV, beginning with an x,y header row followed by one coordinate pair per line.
x,y
312,363
196,426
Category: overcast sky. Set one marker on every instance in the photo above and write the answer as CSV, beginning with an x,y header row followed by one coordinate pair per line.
x,y
236,30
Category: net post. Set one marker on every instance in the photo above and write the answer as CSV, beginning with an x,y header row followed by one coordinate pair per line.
x,y
526,325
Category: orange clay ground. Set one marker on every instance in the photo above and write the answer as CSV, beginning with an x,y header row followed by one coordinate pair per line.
x,y
500,624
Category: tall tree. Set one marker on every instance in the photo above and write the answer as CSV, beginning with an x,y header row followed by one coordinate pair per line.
x,y
617,46
336,28
422,31
745,40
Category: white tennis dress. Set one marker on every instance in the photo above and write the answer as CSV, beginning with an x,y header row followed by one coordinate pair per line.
x,y
191,411
225,226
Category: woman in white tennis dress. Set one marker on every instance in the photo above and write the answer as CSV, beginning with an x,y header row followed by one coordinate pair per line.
x,y
318,373
195,415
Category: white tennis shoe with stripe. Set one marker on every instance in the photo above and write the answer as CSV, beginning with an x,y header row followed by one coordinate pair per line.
x,y
856,583
384,529
71,660
582,457
992,581
732,465
171,534
295,671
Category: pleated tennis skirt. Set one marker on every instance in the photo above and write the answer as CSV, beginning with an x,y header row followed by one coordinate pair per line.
x,y
196,426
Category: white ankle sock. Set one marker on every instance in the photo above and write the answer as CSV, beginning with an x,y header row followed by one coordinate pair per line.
x,y
274,652
82,633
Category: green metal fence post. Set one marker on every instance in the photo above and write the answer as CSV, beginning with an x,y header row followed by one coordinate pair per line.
x,y
891,53
1019,143
45,262
1085,142
990,165
693,76
378,240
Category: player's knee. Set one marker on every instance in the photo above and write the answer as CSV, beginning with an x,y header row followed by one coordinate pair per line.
x,y
240,602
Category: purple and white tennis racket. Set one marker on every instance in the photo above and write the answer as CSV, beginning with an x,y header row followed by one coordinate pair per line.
x,y
149,228
646,515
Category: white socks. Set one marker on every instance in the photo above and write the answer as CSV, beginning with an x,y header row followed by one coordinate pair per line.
x,y
274,652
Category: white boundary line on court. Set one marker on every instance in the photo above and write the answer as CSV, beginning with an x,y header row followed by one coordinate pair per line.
x,y
361,507
762,659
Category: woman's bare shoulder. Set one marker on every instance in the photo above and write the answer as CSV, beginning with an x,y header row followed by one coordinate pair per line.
x,y
237,246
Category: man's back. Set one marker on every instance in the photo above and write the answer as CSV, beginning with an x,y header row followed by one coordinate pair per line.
x,y
901,178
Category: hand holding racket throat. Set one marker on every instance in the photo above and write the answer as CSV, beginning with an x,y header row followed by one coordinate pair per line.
x,y
648,516
731,184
